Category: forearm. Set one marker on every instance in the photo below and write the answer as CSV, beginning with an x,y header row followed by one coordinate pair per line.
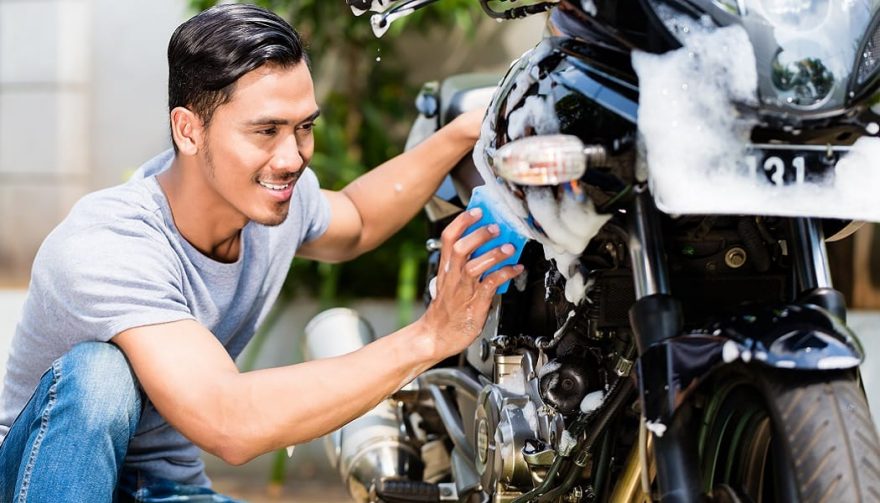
x,y
289,405
390,195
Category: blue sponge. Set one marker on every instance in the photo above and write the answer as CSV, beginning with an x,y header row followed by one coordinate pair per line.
x,y
507,234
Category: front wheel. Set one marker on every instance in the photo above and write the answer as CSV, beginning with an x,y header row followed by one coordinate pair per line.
x,y
769,435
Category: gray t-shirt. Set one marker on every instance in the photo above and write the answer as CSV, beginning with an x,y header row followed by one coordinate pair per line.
x,y
118,262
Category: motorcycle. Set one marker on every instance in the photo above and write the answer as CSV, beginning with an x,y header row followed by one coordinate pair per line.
x,y
678,166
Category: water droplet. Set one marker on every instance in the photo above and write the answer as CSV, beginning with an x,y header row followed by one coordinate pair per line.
x,y
378,58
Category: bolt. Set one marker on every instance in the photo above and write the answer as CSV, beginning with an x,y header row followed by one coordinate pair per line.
x,y
433,245
575,495
485,350
735,257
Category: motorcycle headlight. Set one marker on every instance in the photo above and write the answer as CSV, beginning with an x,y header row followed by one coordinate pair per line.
x,y
869,59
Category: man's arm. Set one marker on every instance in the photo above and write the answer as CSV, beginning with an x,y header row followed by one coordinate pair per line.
x,y
377,204
197,388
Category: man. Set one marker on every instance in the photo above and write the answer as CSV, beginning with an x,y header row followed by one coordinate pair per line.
x,y
177,268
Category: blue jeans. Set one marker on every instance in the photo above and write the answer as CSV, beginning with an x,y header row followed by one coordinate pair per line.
x,y
69,442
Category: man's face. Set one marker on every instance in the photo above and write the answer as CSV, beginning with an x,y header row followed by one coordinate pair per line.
x,y
258,143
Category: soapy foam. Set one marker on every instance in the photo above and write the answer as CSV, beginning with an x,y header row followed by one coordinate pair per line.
x,y
569,225
592,401
696,141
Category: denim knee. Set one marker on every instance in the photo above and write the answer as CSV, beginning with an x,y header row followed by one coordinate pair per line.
x,y
106,390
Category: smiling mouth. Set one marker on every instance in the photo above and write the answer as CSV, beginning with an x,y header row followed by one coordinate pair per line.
x,y
274,186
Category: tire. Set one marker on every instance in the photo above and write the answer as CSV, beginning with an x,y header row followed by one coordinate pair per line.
x,y
770,435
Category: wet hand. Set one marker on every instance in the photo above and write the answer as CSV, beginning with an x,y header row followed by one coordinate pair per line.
x,y
459,310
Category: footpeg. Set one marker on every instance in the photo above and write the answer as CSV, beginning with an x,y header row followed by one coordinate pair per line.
x,y
405,491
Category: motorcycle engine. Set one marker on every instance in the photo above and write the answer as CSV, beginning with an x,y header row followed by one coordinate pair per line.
x,y
521,417
514,426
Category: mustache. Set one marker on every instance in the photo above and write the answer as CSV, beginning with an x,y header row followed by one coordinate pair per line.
x,y
278,179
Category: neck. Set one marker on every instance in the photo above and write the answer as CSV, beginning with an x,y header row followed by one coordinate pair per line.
x,y
200,215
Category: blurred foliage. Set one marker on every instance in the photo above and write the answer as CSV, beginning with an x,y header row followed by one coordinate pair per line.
x,y
363,123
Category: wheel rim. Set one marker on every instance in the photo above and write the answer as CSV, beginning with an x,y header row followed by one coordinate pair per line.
x,y
737,444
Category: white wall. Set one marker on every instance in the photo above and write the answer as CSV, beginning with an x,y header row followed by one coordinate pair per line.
x,y
82,100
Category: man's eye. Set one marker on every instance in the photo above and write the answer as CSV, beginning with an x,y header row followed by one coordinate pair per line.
x,y
268,131
306,127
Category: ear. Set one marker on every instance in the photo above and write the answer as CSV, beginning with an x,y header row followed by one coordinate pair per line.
x,y
187,130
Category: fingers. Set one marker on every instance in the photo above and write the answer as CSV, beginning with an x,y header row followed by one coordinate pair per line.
x,y
491,282
479,265
466,245
459,224
457,249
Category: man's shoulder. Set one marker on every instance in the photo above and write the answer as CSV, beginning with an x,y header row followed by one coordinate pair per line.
x,y
129,203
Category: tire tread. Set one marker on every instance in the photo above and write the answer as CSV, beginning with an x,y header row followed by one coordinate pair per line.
x,y
830,434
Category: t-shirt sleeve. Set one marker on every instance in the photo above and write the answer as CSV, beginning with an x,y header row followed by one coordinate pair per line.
x,y
315,205
103,280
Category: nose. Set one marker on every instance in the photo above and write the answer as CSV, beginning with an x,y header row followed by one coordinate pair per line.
x,y
287,156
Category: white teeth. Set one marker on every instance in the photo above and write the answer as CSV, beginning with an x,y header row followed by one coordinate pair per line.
x,y
272,186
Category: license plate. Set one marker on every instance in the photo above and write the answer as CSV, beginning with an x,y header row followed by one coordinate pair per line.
x,y
772,180
792,164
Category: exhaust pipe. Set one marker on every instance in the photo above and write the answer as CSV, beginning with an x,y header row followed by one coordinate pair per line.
x,y
375,446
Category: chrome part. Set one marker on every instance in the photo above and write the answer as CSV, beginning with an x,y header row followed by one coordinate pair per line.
x,y
382,21
811,257
374,446
336,332
433,245
623,366
452,422
575,495
463,473
645,248
460,380
507,366
515,430
480,353
735,257
502,429
542,458
448,491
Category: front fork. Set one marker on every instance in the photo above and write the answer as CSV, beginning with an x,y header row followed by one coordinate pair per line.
x,y
656,317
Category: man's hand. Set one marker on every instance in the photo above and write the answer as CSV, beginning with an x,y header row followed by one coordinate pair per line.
x,y
459,310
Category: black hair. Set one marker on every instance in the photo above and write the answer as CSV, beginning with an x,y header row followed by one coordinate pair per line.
x,y
210,52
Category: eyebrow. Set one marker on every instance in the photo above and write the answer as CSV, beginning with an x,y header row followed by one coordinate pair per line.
x,y
271,121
